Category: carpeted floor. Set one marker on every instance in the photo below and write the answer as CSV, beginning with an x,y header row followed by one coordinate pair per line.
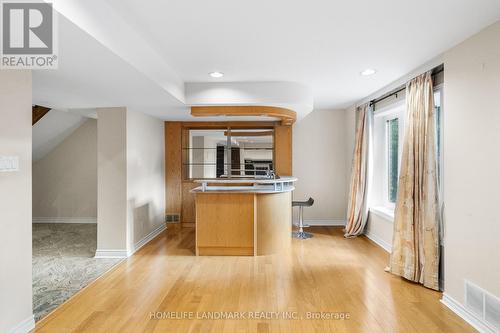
x,y
63,263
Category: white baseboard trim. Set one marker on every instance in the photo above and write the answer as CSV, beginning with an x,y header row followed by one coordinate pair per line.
x,y
380,242
147,239
64,219
383,212
324,222
478,323
108,254
25,326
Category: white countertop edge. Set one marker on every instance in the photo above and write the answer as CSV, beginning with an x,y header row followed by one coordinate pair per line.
x,y
284,179
229,189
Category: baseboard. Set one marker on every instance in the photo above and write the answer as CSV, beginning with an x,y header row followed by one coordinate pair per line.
x,y
380,242
147,239
108,254
324,222
478,323
64,220
25,326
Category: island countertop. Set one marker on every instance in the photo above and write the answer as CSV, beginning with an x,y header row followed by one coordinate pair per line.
x,y
248,185
244,189
236,180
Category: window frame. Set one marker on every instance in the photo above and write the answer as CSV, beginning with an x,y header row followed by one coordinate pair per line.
x,y
386,182
393,111
440,88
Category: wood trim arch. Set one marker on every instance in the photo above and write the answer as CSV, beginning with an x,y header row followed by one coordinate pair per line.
x,y
287,116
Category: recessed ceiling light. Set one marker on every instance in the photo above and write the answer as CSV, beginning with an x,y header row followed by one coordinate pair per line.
x,y
216,74
368,72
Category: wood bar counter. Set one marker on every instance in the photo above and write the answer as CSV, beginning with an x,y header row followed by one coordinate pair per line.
x,y
247,220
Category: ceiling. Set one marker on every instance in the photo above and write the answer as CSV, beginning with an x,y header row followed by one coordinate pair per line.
x,y
90,75
157,48
323,44
52,130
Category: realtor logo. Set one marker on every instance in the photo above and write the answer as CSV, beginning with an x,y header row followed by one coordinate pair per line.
x,y
28,31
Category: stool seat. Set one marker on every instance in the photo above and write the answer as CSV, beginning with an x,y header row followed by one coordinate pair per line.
x,y
307,203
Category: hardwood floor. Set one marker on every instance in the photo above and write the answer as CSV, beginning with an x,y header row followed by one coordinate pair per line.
x,y
329,274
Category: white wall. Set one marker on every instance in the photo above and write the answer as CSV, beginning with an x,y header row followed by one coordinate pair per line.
x,y
319,162
131,180
380,229
145,176
111,181
207,156
472,163
197,157
210,157
254,154
350,133
65,180
15,202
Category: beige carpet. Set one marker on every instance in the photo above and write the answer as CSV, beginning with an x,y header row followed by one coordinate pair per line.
x,y
63,263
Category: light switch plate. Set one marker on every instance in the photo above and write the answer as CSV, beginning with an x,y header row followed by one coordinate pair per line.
x,y
9,163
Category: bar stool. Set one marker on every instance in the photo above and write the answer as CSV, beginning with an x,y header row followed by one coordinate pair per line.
x,y
301,204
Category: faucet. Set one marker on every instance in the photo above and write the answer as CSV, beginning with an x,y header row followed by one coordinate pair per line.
x,y
270,174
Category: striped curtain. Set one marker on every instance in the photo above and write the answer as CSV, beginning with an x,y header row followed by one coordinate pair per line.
x,y
357,211
415,246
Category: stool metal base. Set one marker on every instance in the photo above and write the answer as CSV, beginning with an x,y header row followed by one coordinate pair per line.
x,y
301,235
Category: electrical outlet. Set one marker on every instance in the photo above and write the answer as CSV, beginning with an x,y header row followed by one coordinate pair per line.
x,y
9,163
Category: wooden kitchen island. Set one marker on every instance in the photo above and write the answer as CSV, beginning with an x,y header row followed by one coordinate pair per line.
x,y
243,217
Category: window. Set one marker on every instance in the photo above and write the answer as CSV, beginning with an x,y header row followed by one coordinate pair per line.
x,y
226,152
388,135
387,146
438,108
392,148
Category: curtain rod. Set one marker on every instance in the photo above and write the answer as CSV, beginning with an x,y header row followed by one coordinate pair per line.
x,y
435,71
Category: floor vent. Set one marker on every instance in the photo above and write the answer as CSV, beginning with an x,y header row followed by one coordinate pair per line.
x,y
172,218
483,304
492,310
474,299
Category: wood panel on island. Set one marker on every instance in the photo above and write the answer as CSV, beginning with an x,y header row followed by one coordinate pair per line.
x,y
181,208
244,220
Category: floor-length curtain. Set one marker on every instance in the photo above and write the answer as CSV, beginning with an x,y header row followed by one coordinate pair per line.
x,y
415,246
357,211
